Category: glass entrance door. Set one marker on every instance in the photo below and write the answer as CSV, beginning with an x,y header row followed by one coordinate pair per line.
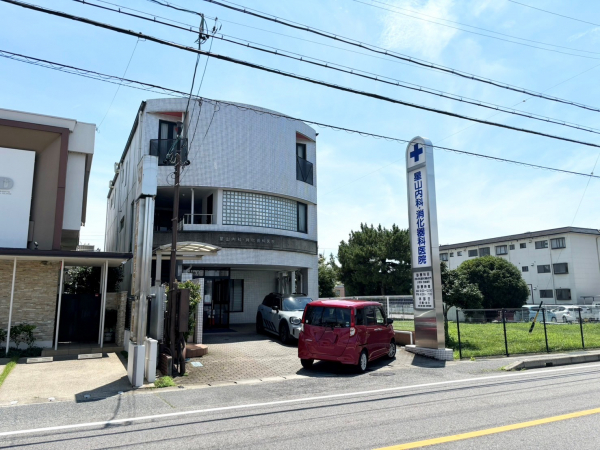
x,y
221,303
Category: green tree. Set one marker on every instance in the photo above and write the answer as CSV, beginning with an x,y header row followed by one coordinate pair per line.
x,y
327,276
457,292
499,281
86,280
376,261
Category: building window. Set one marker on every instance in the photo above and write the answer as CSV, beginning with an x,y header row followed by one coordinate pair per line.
x,y
302,218
563,294
458,253
444,256
451,254
304,168
237,296
511,247
259,210
523,245
472,253
558,243
561,268
541,244
501,250
484,251
543,268
546,293
525,268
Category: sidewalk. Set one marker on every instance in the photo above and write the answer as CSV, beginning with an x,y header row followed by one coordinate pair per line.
x,y
65,381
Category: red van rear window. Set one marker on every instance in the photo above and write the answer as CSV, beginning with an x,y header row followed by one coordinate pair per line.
x,y
325,316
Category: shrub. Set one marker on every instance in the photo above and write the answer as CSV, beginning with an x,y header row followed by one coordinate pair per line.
x,y
2,335
164,382
22,333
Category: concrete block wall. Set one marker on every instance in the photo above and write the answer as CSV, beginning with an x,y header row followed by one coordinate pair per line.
x,y
35,299
257,284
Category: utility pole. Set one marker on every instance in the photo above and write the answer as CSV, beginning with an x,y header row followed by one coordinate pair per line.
x,y
172,306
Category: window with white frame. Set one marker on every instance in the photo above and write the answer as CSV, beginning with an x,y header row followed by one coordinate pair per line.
x,y
484,251
501,250
558,243
472,253
541,244
444,256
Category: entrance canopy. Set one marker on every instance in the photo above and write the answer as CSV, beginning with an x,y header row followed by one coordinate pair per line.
x,y
188,250
70,258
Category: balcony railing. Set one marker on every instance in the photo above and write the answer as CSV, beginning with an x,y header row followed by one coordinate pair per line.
x,y
197,219
162,147
304,170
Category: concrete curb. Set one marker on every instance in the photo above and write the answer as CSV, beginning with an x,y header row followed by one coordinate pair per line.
x,y
553,361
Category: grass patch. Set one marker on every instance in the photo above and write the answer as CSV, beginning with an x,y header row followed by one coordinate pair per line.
x,y
488,339
164,382
404,325
7,369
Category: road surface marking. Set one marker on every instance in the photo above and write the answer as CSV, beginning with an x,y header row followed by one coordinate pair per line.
x,y
474,434
286,402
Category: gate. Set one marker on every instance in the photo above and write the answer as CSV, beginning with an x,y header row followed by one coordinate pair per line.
x,y
79,318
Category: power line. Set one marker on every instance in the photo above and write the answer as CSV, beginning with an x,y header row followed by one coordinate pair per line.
x,y
118,87
482,34
379,50
168,91
291,75
555,14
372,76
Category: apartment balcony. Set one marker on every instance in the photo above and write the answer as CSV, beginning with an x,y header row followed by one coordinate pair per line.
x,y
165,149
196,222
304,170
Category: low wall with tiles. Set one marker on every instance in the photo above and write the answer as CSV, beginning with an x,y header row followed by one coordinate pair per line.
x,y
35,298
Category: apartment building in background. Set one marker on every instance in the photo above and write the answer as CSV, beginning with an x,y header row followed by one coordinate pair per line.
x,y
560,266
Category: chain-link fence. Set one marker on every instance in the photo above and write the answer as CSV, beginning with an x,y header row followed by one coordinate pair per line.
x,y
494,332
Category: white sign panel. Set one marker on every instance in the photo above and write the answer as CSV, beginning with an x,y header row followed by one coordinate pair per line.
x,y
418,209
423,289
16,184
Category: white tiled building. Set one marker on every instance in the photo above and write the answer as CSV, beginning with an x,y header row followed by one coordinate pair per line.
x,y
250,188
560,266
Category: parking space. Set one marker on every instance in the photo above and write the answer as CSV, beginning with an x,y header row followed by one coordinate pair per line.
x,y
246,356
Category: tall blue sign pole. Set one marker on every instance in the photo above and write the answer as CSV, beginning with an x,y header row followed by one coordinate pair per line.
x,y
424,244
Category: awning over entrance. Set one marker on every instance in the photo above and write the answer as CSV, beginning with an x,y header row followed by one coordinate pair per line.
x,y
185,250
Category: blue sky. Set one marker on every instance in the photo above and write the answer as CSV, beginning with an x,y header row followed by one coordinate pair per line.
x,y
360,179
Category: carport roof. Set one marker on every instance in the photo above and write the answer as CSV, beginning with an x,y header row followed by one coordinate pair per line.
x,y
71,258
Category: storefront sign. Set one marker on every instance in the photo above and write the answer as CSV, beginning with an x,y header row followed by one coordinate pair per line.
x,y
422,219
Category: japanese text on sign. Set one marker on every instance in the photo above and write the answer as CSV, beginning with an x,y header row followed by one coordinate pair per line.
x,y
423,286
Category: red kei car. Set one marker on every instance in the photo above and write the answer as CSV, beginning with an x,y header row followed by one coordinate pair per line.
x,y
347,331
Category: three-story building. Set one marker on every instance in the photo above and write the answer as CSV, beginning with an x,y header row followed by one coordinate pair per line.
x,y
249,191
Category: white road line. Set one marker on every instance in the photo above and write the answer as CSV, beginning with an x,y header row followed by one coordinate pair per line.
x,y
286,402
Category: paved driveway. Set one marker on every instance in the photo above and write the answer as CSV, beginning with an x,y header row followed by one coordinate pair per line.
x,y
245,356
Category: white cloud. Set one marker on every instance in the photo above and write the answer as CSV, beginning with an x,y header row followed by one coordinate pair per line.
x,y
593,34
405,33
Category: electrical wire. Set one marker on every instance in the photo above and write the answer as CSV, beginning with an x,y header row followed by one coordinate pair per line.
x,y
463,24
118,87
381,50
482,34
372,76
291,75
555,14
175,93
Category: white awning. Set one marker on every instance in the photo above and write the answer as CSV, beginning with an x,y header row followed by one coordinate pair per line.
x,y
189,249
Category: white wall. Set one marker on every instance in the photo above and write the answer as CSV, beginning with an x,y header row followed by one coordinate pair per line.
x,y
74,191
15,201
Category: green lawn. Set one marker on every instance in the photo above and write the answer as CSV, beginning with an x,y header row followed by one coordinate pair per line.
x,y
488,339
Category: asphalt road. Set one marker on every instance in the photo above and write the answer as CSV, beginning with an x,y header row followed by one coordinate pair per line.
x,y
378,409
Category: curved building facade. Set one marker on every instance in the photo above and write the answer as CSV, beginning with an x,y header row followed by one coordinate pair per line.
x,y
250,190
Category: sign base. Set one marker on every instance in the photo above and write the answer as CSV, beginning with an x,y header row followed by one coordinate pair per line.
x,y
443,354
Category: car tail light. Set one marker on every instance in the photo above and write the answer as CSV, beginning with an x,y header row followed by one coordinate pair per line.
x,y
352,331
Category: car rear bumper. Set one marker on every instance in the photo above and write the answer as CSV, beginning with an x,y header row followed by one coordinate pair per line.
x,y
349,356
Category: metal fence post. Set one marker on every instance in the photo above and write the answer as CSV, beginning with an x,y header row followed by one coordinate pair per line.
x,y
458,330
545,332
387,301
581,329
504,326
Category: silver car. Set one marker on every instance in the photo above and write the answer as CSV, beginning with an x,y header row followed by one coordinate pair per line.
x,y
281,315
